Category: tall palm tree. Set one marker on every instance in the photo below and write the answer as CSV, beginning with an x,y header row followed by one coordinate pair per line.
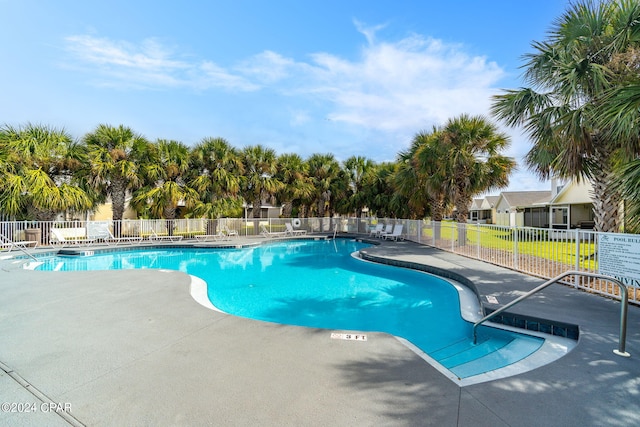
x,y
472,161
419,178
115,155
293,172
568,75
218,171
619,114
260,184
358,172
324,170
165,169
38,172
384,200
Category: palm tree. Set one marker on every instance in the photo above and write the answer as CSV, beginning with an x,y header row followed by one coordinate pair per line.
x,y
358,172
385,201
38,166
260,184
292,171
115,155
569,75
218,171
619,114
418,177
165,169
324,171
472,161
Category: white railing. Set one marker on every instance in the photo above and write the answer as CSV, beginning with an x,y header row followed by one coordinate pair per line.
x,y
40,231
540,252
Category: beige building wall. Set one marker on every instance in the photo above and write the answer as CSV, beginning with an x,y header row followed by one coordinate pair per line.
x,y
503,216
105,213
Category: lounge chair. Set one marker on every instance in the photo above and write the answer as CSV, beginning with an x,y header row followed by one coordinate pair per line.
x,y
123,239
229,232
267,233
386,230
58,239
220,235
6,243
292,231
155,236
396,233
377,230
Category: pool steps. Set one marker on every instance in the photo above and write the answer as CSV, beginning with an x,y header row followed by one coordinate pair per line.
x,y
466,359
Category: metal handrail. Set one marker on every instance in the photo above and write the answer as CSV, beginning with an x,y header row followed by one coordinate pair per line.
x,y
24,250
620,351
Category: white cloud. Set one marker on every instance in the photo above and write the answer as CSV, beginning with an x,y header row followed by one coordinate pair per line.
x,y
405,84
299,118
394,88
147,65
368,32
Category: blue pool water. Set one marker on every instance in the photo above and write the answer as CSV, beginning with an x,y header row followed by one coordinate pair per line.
x,y
318,284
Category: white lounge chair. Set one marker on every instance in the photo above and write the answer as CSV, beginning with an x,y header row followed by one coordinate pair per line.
x,y
58,239
6,243
155,236
396,233
123,239
293,232
220,235
386,230
267,233
377,230
229,232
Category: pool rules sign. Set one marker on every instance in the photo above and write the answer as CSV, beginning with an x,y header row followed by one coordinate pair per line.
x,y
619,256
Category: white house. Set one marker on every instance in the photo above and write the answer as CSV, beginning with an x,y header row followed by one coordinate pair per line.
x,y
571,205
523,208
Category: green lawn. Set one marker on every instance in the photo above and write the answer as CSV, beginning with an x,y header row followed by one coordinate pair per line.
x,y
532,242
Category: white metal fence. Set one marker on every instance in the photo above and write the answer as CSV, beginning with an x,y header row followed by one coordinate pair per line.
x,y
540,252
40,231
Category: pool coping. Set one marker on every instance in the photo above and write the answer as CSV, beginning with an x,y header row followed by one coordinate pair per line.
x,y
471,310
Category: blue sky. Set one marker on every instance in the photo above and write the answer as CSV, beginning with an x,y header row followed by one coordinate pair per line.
x,y
343,77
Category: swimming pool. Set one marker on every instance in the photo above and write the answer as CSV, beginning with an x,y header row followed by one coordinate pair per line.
x,y
319,284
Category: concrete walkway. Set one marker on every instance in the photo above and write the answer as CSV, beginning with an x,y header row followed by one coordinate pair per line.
x,y
132,347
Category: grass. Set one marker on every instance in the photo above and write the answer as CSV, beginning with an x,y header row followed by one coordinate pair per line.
x,y
530,242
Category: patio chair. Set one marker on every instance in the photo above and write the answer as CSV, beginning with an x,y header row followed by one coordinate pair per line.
x,y
267,233
293,232
58,239
229,232
157,237
396,233
6,243
386,230
122,239
377,230
220,235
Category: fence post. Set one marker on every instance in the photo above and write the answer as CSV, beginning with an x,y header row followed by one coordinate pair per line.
x,y
515,248
577,266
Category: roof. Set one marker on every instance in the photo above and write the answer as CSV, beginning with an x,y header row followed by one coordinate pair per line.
x,y
574,192
486,203
526,198
476,205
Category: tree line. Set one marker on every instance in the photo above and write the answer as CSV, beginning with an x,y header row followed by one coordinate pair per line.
x,y
45,172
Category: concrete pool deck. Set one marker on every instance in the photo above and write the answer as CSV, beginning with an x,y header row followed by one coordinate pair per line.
x,y
133,348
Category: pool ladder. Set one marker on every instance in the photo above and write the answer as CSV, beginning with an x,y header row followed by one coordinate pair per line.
x,y
620,351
